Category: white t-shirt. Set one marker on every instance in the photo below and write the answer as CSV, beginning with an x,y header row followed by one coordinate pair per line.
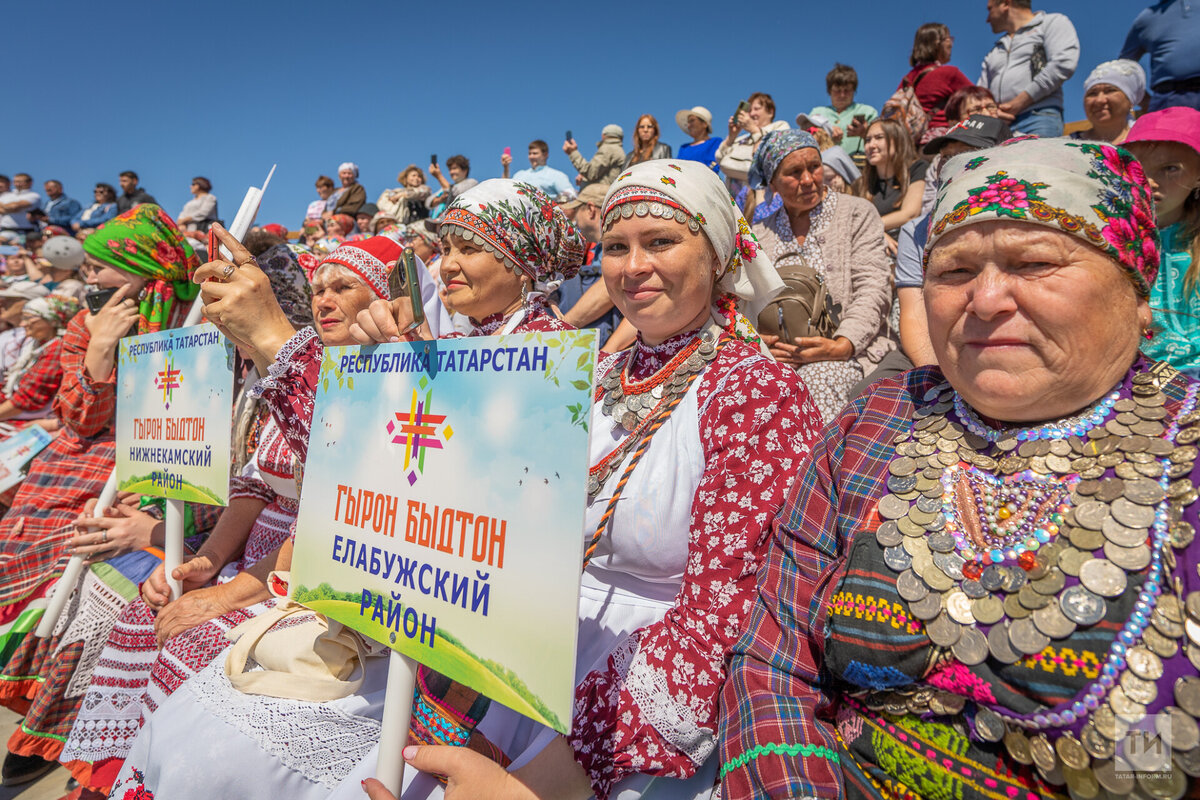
x,y
17,221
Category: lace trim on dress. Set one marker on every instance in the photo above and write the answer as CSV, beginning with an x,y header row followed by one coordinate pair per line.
x,y
315,740
283,364
90,620
651,694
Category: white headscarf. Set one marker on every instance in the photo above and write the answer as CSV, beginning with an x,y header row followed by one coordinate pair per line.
x,y
350,165
1122,73
691,193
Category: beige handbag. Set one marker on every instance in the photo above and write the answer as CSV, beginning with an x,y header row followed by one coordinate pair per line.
x,y
803,308
307,657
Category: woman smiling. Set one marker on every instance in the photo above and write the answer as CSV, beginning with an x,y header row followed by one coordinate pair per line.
x,y
694,436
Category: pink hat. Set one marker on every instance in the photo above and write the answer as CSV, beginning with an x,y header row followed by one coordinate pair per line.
x,y
369,259
1174,124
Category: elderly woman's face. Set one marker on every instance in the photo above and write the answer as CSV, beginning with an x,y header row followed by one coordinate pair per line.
x,y
800,180
347,176
338,296
1029,323
660,275
477,284
983,106
37,328
1105,104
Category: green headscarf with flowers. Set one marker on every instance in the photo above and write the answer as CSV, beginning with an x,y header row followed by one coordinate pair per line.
x,y
145,241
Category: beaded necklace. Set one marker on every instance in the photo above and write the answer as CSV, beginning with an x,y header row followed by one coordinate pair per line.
x,y
953,531
634,405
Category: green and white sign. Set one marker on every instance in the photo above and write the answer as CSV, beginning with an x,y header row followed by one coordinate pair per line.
x,y
174,413
443,503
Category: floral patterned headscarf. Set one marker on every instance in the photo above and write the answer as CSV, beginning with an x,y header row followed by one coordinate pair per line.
x,y
691,193
289,282
1093,191
146,242
520,225
774,148
56,309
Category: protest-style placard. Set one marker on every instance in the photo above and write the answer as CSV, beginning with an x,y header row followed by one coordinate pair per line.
x,y
174,406
443,504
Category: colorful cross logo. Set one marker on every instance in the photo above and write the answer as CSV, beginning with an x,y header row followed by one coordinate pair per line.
x,y
169,379
416,429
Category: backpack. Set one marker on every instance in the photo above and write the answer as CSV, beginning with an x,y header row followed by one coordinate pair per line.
x,y
905,108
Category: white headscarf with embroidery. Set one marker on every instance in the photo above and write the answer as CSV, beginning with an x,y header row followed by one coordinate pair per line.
x,y
691,193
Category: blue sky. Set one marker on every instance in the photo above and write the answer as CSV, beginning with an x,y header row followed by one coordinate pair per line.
x,y
224,89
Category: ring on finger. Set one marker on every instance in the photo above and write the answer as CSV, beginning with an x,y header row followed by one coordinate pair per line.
x,y
229,268
103,537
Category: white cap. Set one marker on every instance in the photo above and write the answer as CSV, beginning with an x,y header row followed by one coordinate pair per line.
x,y
63,252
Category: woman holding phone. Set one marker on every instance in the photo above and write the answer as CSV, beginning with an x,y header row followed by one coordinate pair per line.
x,y
501,239
143,260
753,119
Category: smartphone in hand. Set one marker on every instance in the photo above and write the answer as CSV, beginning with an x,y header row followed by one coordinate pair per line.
x,y
409,261
433,159
569,138
508,152
96,299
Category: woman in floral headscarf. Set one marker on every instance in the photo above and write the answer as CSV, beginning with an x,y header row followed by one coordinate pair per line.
x,y
31,383
840,237
144,257
984,583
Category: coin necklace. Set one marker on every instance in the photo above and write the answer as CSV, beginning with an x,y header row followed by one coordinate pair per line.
x,y
1027,535
636,405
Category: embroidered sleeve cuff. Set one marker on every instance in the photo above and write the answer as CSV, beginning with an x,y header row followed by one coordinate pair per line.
x,y
290,359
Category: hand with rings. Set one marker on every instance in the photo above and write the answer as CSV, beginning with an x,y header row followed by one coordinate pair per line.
x,y
115,318
241,303
121,528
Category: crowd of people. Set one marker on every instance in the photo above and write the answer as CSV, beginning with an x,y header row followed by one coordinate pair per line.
x,y
893,468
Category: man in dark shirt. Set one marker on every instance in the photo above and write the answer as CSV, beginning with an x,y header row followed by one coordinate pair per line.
x,y
1168,31
132,194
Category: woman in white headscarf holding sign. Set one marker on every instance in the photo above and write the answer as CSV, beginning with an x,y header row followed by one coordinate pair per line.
x,y
696,433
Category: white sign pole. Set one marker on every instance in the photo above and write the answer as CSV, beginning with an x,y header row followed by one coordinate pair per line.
x,y
70,576
173,545
62,590
397,714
